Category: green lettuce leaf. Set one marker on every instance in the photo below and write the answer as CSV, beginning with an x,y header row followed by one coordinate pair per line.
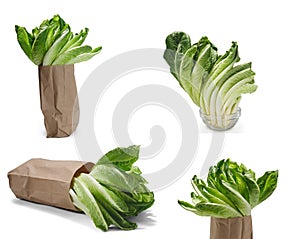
x,y
54,50
90,204
84,56
101,193
216,210
25,40
177,44
123,158
112,217
76,40
71,54
267,184
39,46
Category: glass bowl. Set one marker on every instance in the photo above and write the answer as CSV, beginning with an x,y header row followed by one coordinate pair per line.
x,y
220,122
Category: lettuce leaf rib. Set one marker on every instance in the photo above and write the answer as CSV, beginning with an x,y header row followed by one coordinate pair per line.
x,y
90,204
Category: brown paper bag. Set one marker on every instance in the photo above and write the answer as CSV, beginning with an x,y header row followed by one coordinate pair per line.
x,y
59,100
46,181
231,228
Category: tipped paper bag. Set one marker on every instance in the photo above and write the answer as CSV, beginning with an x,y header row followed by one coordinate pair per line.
x,y
231,228
47,181
59,100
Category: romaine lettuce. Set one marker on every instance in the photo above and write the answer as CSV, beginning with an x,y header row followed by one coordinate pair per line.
x,y
213,81
231,190
113,191
53,43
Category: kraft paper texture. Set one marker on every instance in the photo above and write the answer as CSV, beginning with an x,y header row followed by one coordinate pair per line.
x,y
47,181
231,228
59,100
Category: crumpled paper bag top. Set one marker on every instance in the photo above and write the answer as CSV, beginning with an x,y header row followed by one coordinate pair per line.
x,y
46,181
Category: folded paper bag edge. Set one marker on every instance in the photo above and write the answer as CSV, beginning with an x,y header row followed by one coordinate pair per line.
x,y
47,181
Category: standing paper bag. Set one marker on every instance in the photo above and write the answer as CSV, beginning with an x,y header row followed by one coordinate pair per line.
x,y
59,100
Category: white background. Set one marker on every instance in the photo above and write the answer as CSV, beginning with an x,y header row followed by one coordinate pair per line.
x,y
265,138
